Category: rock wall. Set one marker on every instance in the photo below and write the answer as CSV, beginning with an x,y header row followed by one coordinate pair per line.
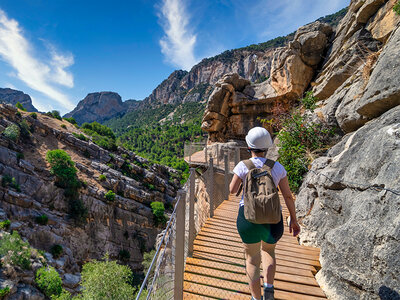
x,y
123,224
236,105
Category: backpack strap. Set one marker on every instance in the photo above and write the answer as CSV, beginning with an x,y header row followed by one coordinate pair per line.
x,y
268,165
249,164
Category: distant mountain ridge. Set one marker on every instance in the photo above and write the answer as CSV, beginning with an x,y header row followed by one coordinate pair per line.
x,y
252,62
11,96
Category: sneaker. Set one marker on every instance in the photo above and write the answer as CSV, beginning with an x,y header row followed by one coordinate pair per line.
x,y
269,293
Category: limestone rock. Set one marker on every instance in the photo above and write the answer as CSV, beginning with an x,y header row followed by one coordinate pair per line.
x,y
98,107
383,90
356,227
13,96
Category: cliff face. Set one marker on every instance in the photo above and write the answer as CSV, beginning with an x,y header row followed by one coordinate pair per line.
x,y
11,96
100,107
348,204
111,226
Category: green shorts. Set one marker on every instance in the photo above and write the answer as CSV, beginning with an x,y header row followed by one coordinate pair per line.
x,y
251,233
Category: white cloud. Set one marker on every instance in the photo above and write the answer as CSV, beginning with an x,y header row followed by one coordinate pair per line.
x,y
10,86
16,51
179,41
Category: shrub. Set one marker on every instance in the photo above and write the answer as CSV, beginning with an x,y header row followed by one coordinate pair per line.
x,y
147,258
12,132
49,281
20,106
103,280
80,136
33,115
56,250
62,167
124,255
20,156
42,219
102,177
56,114
18,114
14,250
5,224
63,126
8,181
110,196
25,129
5,291
71,120
309,101
65,295
298,139
396,8
158,212
86,153
78,210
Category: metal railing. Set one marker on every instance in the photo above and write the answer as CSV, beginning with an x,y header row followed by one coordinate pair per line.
x,y
164,277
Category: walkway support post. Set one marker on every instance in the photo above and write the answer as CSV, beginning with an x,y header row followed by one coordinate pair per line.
x,y
192,233
217,154
206,153
227,177
210,183
237,155
179,246
190,153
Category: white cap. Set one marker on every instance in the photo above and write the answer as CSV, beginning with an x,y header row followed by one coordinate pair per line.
x,y
258,138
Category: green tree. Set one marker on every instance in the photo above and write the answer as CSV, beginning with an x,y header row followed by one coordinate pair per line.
x,y
104,280
49,281
20,106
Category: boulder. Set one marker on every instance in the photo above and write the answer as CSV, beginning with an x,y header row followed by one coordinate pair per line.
x,y
344,211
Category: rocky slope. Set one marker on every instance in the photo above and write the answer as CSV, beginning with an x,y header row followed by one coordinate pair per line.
x,y
348,203
111,226
11,96
100,107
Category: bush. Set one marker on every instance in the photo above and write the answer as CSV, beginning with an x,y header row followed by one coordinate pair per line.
x,y
71,120
19,105
5,291
147,259
12,132
20,156
80,136
14,250
63,126
54,114
49,281
78,210
396,8
56,250
8,181
33,115
298,140
124,255
309,101
18,114
110,196
86,153
158,212
5,224
25,129
103,280
42,219
102,177
62,167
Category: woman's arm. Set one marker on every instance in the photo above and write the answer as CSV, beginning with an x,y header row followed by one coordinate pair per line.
x,y
287,196
235,184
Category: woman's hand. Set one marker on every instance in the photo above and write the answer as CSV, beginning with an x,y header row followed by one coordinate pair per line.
x,y
294,227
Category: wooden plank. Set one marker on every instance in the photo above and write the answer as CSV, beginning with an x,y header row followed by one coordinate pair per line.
x,y
239,249
236,276
241,262
244,287
241,269
209,291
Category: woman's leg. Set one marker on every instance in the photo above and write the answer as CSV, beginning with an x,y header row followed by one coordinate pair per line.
x,y
253,261
268,261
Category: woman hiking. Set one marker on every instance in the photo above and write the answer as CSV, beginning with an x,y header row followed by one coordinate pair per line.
x,y
260,239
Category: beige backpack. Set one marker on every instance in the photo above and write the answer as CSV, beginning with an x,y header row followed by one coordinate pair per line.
x,y
260,195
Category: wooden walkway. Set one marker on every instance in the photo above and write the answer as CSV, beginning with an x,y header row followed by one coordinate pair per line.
x,y
216,270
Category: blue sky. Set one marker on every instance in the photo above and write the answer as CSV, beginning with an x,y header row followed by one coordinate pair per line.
x,y
58,51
